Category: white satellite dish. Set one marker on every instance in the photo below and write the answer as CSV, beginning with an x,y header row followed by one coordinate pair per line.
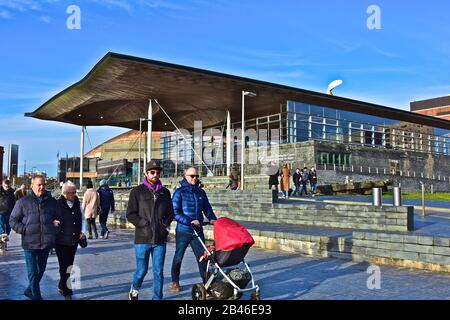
x,y
333,85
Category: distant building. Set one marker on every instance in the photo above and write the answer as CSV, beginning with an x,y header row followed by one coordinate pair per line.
x,y
436,107
115,160
126,146
69,168
1,164
13,161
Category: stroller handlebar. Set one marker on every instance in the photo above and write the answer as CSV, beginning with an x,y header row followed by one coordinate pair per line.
x,y
204,223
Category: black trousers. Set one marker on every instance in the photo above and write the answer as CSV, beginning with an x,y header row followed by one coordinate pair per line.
x,y
91,226
66,257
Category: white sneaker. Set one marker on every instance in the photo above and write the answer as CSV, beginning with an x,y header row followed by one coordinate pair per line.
x,y
133,294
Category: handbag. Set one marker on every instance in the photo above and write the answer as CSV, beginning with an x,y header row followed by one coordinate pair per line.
x,y
83,242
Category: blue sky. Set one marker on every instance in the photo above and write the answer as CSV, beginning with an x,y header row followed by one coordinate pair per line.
x,y
305,44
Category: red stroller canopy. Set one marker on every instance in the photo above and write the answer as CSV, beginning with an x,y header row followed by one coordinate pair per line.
x,y
229,235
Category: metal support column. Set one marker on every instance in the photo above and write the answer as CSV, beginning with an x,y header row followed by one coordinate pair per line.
x,y
242,141
81,155
149,138
228,144
140,155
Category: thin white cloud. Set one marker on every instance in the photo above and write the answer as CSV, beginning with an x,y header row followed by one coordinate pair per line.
x,y
404,70
161,4
385,53
122,4
5,14
45,19
131,5
21,5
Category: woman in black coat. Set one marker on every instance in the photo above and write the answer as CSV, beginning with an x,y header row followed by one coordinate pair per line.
x,y
72,231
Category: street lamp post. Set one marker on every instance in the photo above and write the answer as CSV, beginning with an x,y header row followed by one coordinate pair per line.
x,y
250,94
139,162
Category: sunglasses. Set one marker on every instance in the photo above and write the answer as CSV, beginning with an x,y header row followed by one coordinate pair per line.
x,y
154,172
193,176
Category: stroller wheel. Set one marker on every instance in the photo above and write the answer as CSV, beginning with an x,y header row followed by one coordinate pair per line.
x,y
255,296
237,297
198,292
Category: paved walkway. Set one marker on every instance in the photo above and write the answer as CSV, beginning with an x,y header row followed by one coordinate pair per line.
x,y
107,268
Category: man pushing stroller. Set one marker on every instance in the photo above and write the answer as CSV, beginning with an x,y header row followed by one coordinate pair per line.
x,y
190,203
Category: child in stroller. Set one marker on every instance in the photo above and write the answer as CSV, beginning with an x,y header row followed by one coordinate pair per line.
x,y
231,244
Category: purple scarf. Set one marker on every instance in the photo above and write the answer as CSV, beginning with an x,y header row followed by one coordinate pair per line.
x,y
155,188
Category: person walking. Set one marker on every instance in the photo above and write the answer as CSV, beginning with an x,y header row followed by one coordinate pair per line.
x,y
313,180
7,202
72,231
285,174
232,183
296,179
37,218
273,173
305,179
91,206
190,203
107,205
150,210
21,192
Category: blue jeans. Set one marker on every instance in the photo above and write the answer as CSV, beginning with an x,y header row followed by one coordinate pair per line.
x,y
158,252
183,239
313,187
36,261
297,189
4,224
103,218
303,189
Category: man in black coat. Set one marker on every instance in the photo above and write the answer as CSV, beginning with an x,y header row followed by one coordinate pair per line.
x,y
7,201
297,179
150,210
37,218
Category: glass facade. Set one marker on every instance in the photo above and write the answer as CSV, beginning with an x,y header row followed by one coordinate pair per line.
x,y
307,121
299,122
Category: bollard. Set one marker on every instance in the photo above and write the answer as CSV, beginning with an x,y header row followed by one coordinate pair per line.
x,y
376,197
397,194
423,198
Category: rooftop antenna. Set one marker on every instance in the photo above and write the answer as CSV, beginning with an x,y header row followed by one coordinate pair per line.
x,y
333,85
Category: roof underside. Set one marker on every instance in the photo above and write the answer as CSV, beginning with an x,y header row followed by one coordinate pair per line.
x,y
117,90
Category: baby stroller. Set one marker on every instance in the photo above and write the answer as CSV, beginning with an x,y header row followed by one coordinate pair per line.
x,y
231,243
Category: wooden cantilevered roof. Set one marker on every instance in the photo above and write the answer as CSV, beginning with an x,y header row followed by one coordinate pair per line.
x,y
117,90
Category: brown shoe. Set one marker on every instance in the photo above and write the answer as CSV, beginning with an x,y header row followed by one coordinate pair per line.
x,y
175,286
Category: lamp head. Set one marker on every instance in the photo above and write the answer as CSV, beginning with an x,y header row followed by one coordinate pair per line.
x,y
248,93
333,85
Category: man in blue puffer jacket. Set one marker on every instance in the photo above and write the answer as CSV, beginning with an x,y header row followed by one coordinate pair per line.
x,y
190,203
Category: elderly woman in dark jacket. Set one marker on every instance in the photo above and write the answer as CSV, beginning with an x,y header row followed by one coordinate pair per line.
x,y
72,230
